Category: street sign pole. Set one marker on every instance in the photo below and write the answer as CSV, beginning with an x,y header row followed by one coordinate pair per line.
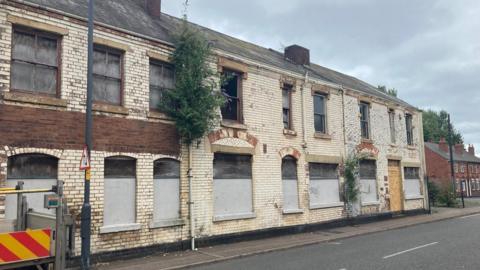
x,y
86,217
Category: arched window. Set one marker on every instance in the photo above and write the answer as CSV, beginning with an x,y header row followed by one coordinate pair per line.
x,y
119,192
289,184
36,171
166,187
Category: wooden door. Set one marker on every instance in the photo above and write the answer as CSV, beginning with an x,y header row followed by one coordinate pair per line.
x,y
395,186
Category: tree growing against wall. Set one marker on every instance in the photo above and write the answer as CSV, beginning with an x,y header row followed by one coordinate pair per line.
x,y
435,127
193,103
351,189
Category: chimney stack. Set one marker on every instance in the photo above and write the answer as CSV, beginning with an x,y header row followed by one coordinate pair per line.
x,y
153,7
471,149
442,144
459,149
297,54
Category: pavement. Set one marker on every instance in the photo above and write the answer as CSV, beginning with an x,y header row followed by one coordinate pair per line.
x,y
280,252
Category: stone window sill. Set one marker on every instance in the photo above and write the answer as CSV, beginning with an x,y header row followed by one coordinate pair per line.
x,y
326,205
393,145
34,99
158,115
369,141
411,147
289,132
120,228
323,136
234,217
233,124
414,197
370,203
166,223
292,211
101,107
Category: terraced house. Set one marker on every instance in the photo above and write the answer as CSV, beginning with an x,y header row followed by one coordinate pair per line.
x,y
273,162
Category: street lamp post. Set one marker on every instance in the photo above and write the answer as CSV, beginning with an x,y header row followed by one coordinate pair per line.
x,y
450,146
86,216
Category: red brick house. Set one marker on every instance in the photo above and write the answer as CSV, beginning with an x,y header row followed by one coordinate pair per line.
x,y
466,166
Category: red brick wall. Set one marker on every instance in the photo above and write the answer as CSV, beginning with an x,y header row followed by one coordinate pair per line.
x,y
438,168
43,128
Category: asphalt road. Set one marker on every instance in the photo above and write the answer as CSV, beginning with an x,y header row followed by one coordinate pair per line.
x,y
450,244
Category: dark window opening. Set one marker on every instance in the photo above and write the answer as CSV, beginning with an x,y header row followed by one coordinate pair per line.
x,y
32,166
162,78
323,171
391,119
411,173
228,166
408,120
35,63
231,90
166,169
319,113
368,169
286,106
289,168
365,120
120,167
107,75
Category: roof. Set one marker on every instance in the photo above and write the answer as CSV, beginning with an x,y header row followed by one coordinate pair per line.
x,y
131,15
465,156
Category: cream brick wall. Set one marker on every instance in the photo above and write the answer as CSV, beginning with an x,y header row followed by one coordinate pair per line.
x,y
262,108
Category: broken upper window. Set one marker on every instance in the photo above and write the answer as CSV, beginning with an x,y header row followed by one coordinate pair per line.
x,y
391,119
408,120
107,75
34,61
286,106
365,119
231,89
319,113
161,79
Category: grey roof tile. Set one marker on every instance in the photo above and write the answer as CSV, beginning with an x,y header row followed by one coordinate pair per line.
x,y
467,157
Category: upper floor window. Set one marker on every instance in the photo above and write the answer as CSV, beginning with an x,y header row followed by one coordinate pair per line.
x,y
161,79
408,120
391,120
365,120
462,168
319,113
286,106
456,168
35,61
232,110
107,75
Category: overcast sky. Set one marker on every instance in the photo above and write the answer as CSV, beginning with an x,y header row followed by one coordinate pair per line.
x,y
428,50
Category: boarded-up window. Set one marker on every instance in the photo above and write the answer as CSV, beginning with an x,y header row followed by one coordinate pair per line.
x,y
368,181
161,80
324,184
289,183
231,110
365,120
232,184
319,113
119,191
412,182
166,187
34,61
107,75
37,171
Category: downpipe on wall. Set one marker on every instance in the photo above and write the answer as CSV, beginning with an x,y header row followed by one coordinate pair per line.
x,y
190,202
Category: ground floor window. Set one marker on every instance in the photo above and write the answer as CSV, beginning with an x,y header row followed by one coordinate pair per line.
x,y
368,181
37,171
166,188
289,183
119,191
412,182
324,185
232,185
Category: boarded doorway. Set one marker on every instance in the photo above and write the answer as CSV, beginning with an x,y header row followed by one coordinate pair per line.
x,y
395,184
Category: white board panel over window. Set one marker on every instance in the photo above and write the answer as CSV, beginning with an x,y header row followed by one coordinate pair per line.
x,y
289,184
37,171
368,181
232,186
166,190
119,191
412,182
324,185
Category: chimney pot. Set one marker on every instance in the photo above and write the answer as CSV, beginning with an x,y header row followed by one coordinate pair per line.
x,y
154,7
459,149
297,54
471,150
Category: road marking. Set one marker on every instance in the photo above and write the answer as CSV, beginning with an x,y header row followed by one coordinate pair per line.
x,y
474,215
408,250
